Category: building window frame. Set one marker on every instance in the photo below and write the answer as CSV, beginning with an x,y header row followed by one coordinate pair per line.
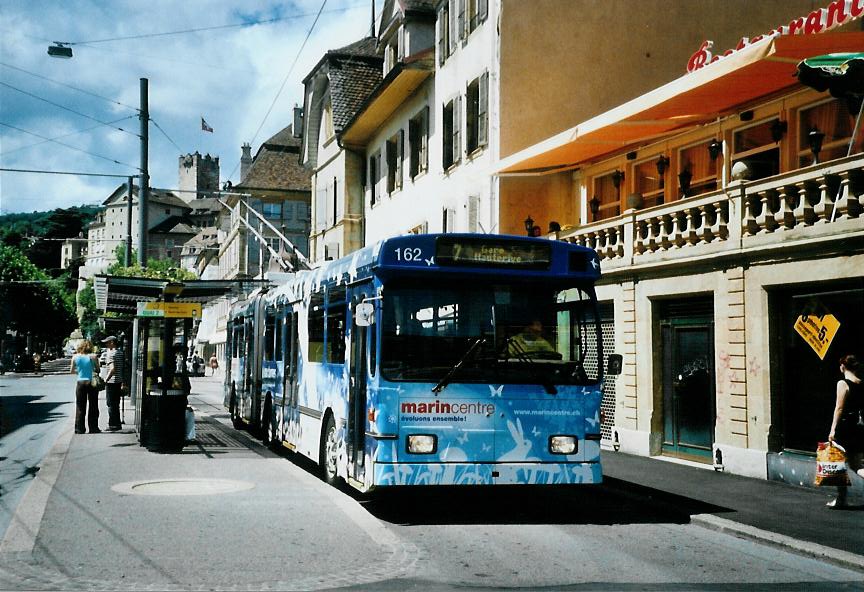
x,y
451,132
418,140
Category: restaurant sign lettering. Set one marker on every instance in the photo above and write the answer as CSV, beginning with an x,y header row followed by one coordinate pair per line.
x,y
820,20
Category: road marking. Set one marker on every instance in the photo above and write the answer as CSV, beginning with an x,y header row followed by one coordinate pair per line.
x,y
24,527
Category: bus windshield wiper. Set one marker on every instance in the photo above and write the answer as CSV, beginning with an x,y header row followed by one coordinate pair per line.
x,y
446,380
522,356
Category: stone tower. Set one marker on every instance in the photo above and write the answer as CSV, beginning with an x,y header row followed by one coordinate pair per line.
x,y
197,173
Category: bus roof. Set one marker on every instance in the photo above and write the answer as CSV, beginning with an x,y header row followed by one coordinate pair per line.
x,y
454,255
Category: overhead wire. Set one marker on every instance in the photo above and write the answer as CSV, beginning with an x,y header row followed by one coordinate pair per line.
x,y
63,136
285,80
159,127
67,145
105,123
212,28
86,92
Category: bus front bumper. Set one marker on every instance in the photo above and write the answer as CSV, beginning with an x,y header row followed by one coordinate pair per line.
x,y
390,474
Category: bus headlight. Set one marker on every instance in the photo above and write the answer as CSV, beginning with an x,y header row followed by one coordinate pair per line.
x,y
422,443
562,444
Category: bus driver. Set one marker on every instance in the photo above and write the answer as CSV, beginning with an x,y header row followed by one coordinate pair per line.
x,y
531,343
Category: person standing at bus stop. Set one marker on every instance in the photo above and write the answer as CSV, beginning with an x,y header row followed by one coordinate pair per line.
x,y
113,382
85,364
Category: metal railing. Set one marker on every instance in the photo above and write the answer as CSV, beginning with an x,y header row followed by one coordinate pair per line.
x,y
816,201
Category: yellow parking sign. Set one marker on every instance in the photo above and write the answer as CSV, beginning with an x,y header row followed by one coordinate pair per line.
x,y
817,331
176,310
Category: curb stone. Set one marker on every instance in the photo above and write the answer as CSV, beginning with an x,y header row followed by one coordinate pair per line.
x,y
815,550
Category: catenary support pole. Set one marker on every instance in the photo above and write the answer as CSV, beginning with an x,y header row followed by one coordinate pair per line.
x,y
144,188
127,259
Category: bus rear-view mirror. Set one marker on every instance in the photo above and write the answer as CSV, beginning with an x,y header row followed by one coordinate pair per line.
x,y
614,364
364,314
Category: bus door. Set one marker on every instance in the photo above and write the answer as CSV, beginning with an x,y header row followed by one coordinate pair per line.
x,y
290,388
358,372
248,367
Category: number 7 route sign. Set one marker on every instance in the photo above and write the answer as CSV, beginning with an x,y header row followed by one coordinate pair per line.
x,y
817,331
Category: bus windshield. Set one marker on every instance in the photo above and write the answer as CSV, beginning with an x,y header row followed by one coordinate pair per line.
x,y
489,332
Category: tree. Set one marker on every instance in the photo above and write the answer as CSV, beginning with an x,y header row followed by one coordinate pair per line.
x,y
30,301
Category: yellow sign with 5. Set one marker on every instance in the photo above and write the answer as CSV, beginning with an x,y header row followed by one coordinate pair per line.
x,y
817,331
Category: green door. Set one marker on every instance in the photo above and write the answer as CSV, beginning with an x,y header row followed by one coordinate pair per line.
x,y
688,388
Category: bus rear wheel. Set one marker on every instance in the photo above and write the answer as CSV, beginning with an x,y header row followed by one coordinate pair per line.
x,y
328,452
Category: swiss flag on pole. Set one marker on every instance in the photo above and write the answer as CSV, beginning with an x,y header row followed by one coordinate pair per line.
x,y
206,127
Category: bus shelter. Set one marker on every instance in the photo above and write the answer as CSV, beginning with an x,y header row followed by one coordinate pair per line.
x,y
164,315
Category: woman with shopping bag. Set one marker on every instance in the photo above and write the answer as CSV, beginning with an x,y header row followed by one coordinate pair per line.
x,y
845,428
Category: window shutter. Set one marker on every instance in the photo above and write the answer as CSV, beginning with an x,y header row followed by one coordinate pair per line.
x,y
400,52
424,140
483,110
453,32
413,148
447,135
460,23
473,207
482,9
457,128
372,175
442,35
400,156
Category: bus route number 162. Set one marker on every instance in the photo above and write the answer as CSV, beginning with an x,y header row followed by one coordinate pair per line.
x,y
409,254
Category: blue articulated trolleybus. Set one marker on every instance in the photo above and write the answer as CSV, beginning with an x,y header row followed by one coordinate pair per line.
x,y
452,359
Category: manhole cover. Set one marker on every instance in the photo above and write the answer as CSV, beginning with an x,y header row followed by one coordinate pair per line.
x,y
182,487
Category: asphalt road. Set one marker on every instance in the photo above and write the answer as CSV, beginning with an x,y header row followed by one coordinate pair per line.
x,y
33,413
277,526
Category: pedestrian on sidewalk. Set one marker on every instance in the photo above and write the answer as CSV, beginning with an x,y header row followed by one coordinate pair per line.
x,y
113,382
214,365
845,429
85,364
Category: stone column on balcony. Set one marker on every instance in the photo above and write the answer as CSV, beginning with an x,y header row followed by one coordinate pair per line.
x,y
630,230
737,209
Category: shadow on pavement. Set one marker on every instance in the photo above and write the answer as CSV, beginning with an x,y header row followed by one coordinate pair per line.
x,y
614,502
20,410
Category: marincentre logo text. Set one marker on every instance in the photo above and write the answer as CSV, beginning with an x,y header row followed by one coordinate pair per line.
x,y
442,407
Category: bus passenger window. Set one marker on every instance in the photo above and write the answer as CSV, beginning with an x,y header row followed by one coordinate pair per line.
x,y
277,350
269,335
315,353
336,314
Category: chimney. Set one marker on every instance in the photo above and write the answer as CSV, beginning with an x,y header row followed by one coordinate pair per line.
x,y
245,160
298,121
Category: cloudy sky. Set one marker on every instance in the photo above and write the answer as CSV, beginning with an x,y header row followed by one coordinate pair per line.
x,y
230,75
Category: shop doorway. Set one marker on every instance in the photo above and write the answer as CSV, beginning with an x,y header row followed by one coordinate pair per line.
x,y
687,342
803,385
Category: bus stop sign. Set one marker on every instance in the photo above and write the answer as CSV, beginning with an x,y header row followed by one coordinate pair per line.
x,y
170,310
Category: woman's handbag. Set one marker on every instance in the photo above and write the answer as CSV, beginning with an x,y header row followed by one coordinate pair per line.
x,y
97,382
831,465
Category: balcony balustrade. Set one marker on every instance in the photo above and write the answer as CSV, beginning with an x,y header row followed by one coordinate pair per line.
x,y
819,203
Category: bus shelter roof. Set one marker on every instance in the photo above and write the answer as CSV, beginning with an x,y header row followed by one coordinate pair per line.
x,y
122,294
760,70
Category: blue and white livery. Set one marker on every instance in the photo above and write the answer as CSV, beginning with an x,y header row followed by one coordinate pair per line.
x,y
451,359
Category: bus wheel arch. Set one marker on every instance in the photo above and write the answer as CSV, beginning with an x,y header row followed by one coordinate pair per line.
x,y
328,449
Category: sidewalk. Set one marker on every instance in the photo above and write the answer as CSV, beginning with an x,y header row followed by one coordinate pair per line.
x,y
768,511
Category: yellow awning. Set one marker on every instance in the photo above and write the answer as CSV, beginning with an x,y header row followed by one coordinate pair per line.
x,y
758,71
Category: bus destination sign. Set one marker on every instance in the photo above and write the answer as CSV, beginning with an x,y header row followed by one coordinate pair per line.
x,y
498,253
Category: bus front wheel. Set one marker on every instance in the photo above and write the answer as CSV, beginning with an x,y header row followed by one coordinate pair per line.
x,y
329,451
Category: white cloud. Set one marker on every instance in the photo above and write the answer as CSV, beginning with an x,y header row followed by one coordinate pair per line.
x,y
229,76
